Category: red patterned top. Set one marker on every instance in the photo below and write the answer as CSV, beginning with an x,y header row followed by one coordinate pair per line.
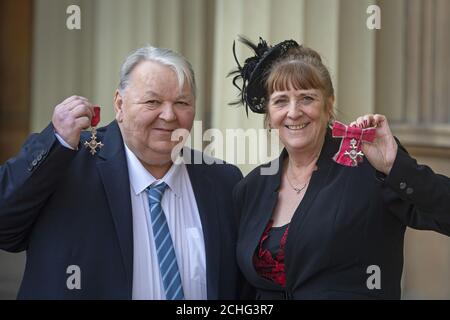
x,y
265,264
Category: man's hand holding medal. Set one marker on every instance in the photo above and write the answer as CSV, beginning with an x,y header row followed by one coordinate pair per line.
x,y
74,115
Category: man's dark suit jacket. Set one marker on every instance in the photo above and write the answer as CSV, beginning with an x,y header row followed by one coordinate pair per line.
x,y
68,207
349,221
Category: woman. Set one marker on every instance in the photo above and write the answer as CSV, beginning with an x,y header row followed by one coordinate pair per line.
x,y
318,229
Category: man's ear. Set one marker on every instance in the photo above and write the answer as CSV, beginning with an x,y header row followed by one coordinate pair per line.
x,y
118,105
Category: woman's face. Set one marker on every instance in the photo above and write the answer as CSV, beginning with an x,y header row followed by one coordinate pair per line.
x,y
301,116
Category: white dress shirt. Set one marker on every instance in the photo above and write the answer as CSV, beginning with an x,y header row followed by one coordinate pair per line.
x,y
180,208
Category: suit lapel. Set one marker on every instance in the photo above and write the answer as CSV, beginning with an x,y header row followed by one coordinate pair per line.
x,y
267,204
257,226
319,179
207,207
112,166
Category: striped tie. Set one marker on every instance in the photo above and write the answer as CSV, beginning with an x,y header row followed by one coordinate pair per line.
x,y
168,265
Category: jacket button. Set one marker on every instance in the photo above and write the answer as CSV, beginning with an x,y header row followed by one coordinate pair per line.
x,y
409,190
402,185
34,162
39,158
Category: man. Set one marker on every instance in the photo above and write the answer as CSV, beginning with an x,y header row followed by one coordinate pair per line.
x,y
124,222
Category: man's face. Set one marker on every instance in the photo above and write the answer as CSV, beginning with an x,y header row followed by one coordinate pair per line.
x,y
151,109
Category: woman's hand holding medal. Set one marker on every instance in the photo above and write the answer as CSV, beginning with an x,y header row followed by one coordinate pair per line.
x,y
381,153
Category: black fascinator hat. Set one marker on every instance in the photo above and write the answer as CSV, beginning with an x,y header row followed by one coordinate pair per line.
x,y
255,70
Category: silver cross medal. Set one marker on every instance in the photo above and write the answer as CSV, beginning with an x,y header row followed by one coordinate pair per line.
x,y
352,154
93,144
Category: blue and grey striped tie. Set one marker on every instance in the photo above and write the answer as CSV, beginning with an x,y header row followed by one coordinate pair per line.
x,y
168,265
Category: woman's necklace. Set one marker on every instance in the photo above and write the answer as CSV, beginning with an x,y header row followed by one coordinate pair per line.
x,y
296,189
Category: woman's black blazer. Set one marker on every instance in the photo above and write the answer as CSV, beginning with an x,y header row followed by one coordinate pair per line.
x,y
346,237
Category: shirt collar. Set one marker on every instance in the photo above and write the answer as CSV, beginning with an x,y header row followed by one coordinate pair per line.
x,y
140,178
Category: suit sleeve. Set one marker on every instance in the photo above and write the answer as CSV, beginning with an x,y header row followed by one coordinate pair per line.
x,y
417,195
26,182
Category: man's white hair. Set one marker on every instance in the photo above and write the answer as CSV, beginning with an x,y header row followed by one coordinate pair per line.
x,y
174,60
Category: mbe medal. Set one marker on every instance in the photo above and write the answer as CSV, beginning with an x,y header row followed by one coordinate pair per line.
x,y
93,144
350,153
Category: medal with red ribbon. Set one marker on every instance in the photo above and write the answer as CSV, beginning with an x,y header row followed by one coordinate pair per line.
x,y
93,144
350,153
